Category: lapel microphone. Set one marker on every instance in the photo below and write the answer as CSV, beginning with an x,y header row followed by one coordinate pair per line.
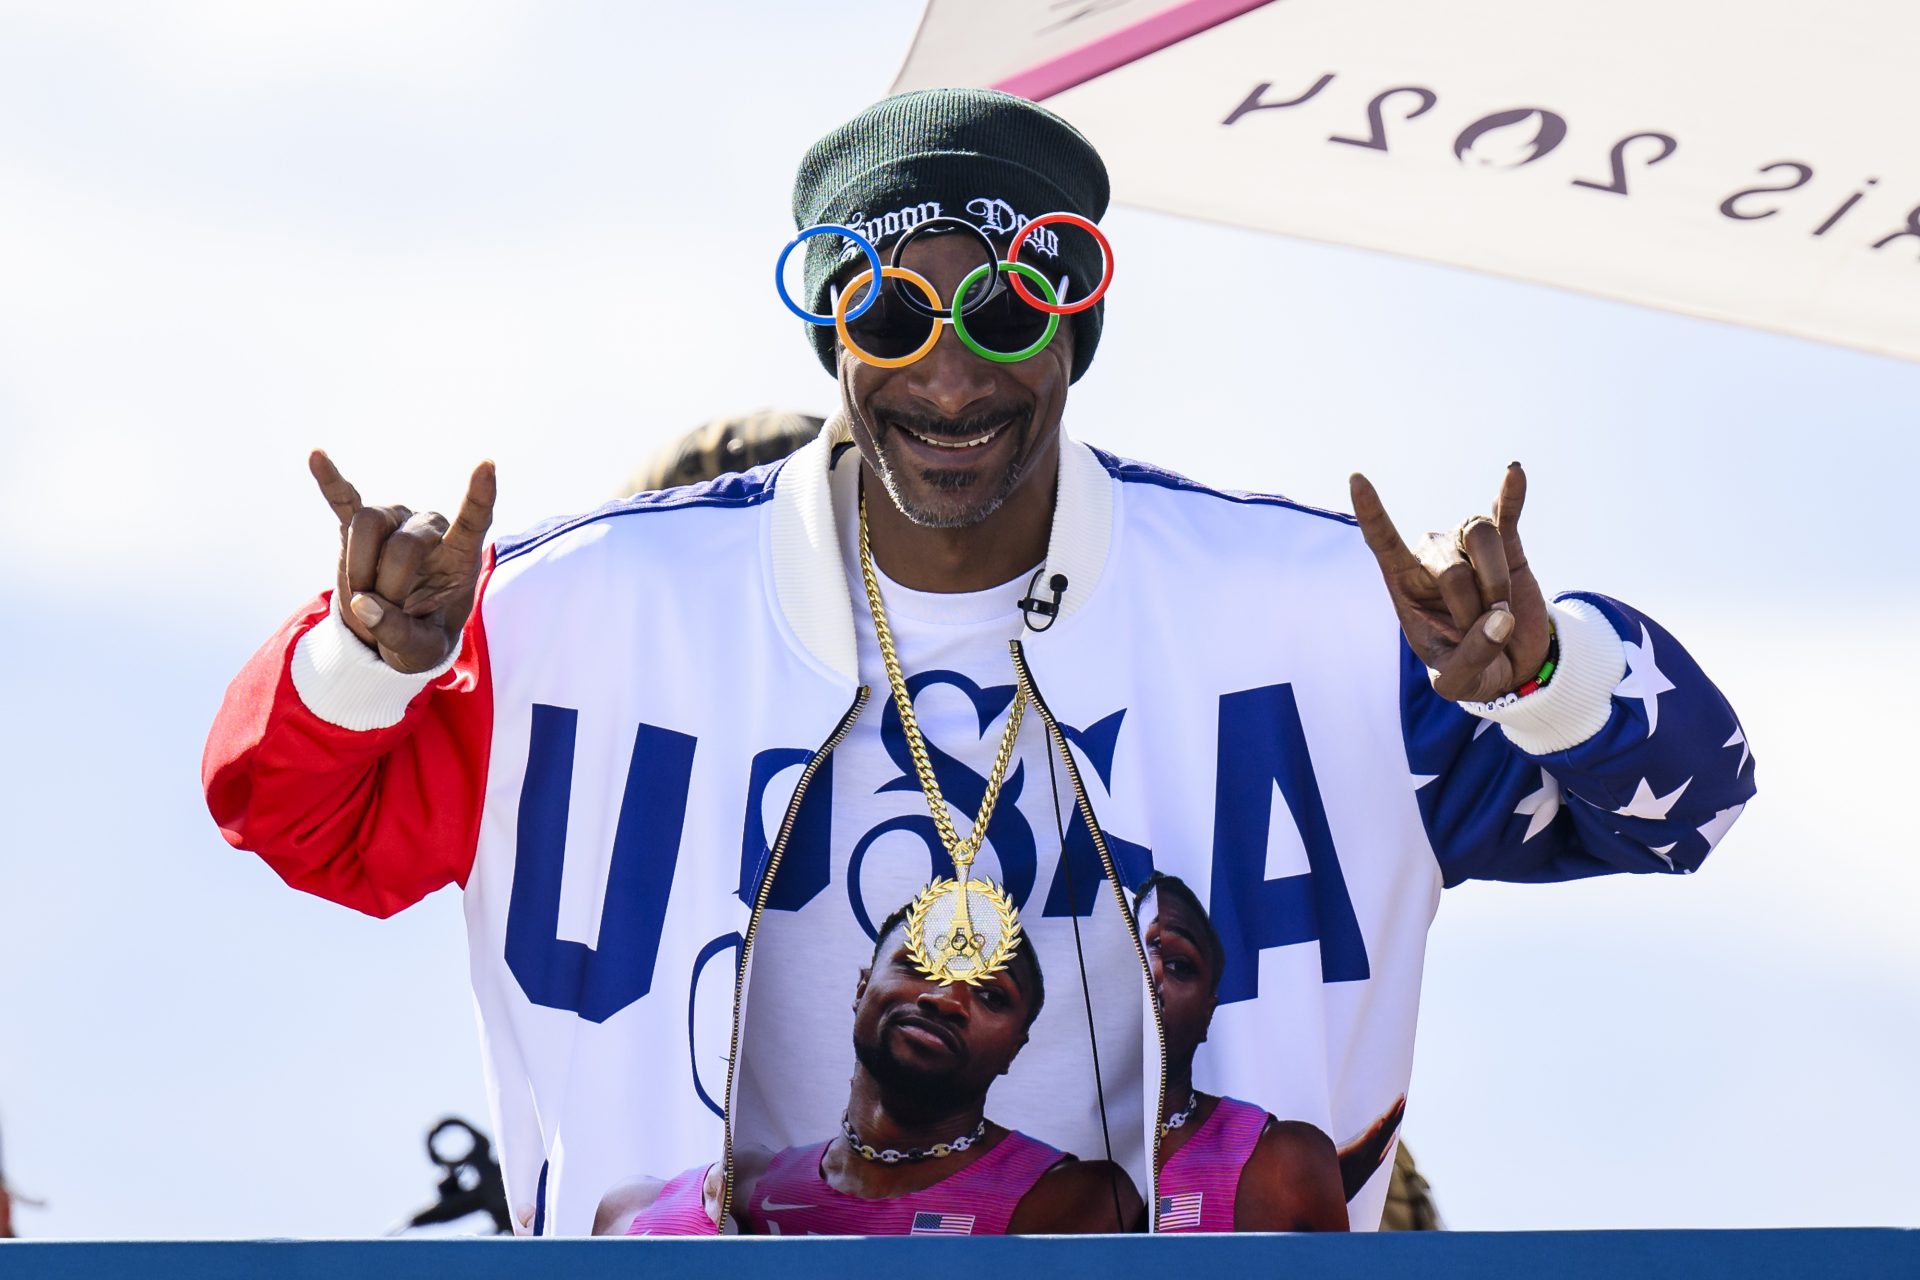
x,y
1048,610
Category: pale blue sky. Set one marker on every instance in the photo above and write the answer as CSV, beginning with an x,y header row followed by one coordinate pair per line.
x,y
423,234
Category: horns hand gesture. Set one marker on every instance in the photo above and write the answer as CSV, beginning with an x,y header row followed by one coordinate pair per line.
x,y
406,581
1467,601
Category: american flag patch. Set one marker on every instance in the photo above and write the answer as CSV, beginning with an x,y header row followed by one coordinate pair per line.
x,y
1181,1212
942,1224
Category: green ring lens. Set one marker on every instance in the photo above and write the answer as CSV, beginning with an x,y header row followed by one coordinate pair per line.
x,y
1004,357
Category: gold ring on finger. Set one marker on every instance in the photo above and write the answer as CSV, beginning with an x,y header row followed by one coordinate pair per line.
x,y
1460,534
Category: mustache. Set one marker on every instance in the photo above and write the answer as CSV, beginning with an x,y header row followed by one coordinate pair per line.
x,y
914,1018
977,423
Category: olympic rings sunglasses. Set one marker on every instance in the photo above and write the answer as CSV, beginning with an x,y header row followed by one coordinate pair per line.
x,y
891,328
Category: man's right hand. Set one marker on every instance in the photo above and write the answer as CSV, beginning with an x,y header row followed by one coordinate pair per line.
x,y
406,581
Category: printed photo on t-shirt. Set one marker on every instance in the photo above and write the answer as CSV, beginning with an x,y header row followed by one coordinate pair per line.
x,y
945,1060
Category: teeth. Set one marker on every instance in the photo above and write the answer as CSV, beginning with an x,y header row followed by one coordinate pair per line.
x,y
955,444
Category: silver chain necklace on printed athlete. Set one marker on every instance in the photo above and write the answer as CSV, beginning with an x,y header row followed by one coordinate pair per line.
x,y
911,1154
1180,1117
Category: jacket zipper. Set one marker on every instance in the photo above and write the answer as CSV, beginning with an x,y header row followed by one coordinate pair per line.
x,y
753,924
1119,892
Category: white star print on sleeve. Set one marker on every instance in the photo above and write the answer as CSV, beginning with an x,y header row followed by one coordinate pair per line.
x,y
1739,739
1716,826
1645,680
1539,807
1646,804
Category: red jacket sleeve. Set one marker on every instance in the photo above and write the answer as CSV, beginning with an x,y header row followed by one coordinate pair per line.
x,y
375,820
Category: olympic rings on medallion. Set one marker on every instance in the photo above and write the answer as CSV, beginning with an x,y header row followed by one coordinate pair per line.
x,y
1015,270
841,316
825,229
1106,263
989,255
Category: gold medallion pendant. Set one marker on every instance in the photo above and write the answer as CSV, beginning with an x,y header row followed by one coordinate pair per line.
x,y
957,934
959,929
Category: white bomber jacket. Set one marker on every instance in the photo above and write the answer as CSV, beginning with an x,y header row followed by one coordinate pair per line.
x,y
637,684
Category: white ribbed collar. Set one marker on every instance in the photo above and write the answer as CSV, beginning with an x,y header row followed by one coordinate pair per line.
x,y
810,581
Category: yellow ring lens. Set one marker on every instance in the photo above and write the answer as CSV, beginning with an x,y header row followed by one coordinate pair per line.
x,y
919,282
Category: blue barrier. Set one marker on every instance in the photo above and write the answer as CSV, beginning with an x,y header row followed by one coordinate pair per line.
x,y
1860,1254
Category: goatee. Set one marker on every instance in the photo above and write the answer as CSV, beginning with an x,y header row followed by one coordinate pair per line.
x,y
955,481
905,1088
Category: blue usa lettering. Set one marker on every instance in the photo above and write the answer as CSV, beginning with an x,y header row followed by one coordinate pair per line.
x,y
1007,831
719,946
806,867
1262,742
599,981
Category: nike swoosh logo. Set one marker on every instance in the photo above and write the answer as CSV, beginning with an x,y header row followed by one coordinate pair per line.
x,y
769,1206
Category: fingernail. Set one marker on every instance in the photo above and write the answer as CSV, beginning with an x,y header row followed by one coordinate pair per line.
x,y
367,609
1513,464
1501,606
1498,626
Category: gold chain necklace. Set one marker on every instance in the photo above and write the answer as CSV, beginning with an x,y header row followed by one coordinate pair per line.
x,y
960,942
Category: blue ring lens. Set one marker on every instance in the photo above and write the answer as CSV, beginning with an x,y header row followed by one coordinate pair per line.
x,y
825,229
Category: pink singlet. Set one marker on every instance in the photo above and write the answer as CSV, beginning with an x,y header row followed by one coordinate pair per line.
x,y
1199,1181
681,1209
793,1199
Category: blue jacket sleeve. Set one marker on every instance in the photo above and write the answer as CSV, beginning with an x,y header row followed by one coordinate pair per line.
x,y
1654,789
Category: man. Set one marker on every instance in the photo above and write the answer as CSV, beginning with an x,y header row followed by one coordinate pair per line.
x,y
916,1154
531,721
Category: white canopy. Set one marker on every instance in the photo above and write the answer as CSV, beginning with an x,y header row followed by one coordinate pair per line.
x,y
1754,161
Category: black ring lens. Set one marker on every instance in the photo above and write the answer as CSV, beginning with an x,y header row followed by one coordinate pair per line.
x,y
910,296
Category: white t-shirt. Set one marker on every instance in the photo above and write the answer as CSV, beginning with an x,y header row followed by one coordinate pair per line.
x,y
797,1045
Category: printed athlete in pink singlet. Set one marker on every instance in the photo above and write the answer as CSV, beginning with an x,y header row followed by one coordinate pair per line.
x,y
796,1196
925,1054
688,1205
1226,1165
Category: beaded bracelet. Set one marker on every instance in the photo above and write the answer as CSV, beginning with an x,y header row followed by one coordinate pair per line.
x,y
1534,685
1540,681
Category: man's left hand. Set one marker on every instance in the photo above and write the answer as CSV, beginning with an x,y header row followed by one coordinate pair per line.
x,y
1467,601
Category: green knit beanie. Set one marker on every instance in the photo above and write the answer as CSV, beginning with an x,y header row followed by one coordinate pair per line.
x,y
988,157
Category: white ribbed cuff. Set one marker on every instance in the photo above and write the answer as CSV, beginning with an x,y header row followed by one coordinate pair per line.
x,y
1579,699
346,684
